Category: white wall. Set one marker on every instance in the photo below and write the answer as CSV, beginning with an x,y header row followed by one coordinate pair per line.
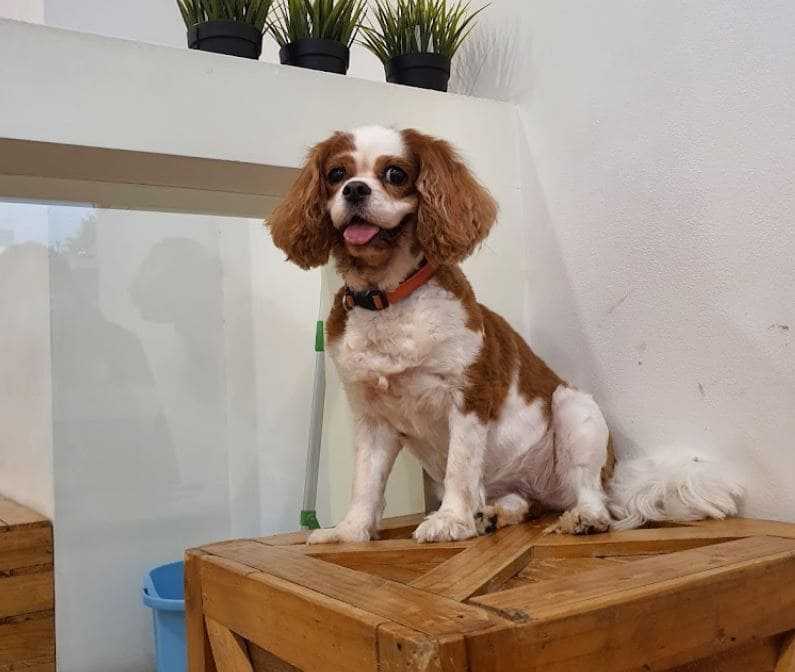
x,y
159,22
658,159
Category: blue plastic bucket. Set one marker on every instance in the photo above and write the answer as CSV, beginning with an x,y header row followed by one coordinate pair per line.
x,y
164,593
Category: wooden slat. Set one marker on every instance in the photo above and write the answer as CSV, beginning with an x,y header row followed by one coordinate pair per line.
x,y
746,527
631,542
200,656
396,602
400,560
393,565
401,649
27,638
16,515
264,661
485,565
752,657
408,546
26,592
229,650
548,569
786,659
398,527
40,665
658,612
29,546
305,629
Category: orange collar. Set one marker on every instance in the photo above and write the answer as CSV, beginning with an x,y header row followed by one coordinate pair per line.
x,y
377,299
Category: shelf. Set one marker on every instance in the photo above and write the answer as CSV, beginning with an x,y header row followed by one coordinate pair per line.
x,y
147,106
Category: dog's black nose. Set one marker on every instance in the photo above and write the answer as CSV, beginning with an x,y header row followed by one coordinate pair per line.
x,y
356,191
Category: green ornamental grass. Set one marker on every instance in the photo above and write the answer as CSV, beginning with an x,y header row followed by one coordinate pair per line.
x,y
337,20
416,26
254,12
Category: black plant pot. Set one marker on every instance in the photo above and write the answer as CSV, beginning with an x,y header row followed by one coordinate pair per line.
x,y
424,70
325,55
226,37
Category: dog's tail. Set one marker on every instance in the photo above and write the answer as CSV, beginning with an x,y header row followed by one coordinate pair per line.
x,y
671,486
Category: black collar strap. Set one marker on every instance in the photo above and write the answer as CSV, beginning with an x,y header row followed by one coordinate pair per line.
x,y
378,299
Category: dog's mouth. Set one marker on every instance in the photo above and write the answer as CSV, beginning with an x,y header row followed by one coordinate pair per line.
x,y
361,232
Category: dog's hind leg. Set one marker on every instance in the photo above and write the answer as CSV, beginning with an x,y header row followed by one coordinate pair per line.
x,y
581,452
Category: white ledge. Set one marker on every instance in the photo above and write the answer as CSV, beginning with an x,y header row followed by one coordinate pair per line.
x,y
86,91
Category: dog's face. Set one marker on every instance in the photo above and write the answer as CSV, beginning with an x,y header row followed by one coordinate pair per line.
x,y
377,198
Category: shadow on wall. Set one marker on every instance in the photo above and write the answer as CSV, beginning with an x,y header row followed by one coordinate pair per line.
x,y
107,415
179,283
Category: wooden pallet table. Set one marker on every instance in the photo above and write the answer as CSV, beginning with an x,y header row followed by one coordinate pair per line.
x,y
27,619
716,596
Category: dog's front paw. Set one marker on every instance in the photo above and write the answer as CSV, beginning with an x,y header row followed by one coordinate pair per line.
x,y
340,533
445,526
581,521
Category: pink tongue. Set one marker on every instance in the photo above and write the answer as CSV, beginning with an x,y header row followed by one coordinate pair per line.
x,y
360,234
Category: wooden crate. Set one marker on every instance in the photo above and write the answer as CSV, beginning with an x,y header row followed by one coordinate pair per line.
x,y
705,597
27,602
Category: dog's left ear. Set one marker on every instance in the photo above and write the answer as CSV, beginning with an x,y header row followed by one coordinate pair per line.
x,y
455,211
300,225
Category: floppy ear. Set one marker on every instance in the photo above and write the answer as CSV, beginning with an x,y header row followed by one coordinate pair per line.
x,y
455,211
301,225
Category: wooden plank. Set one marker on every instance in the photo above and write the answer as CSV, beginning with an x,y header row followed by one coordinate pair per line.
x,y
786,659
644,541
200,655
485,565
746,527
25,547
28,637
408,546
396,559
658,612
393,565
229,650
752,657
401,649
16,515
396,602
26,591
548,569
39,665
265,661
399,527
305,629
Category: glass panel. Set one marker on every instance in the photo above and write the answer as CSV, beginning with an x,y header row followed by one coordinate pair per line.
x,y
158,382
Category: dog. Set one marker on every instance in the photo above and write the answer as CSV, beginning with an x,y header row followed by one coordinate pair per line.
x,y
426,367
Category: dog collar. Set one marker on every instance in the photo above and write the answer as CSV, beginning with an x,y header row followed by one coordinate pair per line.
x,y
378,299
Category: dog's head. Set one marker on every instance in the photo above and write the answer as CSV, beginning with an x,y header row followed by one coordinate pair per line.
x,y
380,200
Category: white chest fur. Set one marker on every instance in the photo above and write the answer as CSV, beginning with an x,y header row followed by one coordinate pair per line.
x,y
406,363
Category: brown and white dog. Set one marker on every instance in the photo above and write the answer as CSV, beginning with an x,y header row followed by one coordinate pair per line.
x,y
427,367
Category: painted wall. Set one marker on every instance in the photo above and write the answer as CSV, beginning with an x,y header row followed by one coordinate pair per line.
x,y
657,158
159,22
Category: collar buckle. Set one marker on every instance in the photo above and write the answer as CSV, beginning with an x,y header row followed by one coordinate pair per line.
x,y
372,299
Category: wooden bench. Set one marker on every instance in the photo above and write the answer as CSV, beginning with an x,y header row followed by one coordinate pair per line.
x,y
27,602
716,596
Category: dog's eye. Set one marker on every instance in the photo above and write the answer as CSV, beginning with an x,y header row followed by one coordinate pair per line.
x,y
336,175
395,175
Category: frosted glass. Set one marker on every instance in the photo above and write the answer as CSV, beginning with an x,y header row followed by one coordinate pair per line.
x,y
156,376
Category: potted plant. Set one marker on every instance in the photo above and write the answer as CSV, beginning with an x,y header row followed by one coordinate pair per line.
x,y
417,39
317,34
231,27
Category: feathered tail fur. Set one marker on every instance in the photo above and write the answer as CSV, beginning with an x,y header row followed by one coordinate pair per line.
x,y
671,486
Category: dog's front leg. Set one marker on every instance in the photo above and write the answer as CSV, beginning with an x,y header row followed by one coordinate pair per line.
x,y
376,445
463,480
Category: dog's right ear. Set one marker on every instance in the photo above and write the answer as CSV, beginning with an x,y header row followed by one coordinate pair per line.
x,y
300,225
